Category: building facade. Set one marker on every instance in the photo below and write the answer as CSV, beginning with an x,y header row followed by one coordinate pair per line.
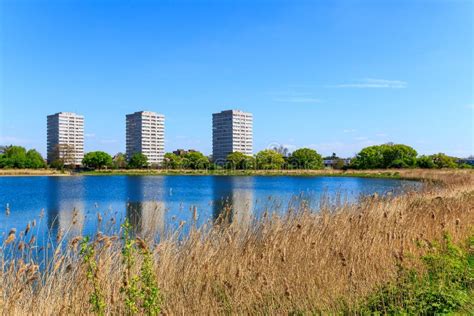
x,y
65,141
232,131
145,133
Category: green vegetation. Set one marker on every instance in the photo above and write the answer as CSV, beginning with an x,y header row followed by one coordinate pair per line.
x,y
138,161
270,159
438,161
18,158
442,282
119,161
306,158
239,161
141,292
96,299
385,156
191,160
97,160
443,161
195,160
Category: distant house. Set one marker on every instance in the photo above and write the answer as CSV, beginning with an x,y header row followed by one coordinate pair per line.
x,y
331,162
182,152
468,161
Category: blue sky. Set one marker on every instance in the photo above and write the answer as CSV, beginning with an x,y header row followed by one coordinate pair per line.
x,y
332,75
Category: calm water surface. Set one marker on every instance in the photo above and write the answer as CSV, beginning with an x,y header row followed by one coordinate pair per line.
x,y
161,203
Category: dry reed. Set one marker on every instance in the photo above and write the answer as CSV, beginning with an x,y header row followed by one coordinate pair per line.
x,y
303,262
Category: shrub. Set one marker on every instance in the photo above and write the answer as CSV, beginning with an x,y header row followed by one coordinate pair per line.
x,y
306,158
97,160
385,156
445,285
269,159
18,157
138,161
238,160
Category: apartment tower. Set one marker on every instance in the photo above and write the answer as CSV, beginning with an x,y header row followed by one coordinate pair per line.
x,y
65,138
232,131
146,135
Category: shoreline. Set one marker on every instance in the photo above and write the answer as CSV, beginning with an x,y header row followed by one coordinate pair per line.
x,y
33,173
399,174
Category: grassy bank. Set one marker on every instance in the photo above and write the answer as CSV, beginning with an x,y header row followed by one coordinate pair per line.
x,y
383,255
32,172
310,173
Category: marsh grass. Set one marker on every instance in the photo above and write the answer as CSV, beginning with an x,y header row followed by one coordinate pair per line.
x,y
335,260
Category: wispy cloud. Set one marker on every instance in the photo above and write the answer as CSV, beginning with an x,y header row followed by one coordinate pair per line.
x,y
371,83
90,135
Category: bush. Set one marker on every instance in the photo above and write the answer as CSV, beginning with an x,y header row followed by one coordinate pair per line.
x,y
97,160
195,160
425,162
444,161
445,285
385,156
172,161
306,158
240,161
18,157
138,161
269,159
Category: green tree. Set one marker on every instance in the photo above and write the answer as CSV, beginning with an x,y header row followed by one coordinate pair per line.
x,y
443,161
97,160
240,161
340,164
14,157
269,159
425,162
172,161
385,156
138,161
369,158
34,159
119,161
306,158
195,160
398,156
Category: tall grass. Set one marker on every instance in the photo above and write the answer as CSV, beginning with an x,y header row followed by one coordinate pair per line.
x,y
329,261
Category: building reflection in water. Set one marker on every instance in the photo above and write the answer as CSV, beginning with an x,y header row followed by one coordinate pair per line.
x,y
233,200
145,208
65,211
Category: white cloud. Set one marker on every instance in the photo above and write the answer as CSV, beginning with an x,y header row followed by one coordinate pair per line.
x,y
89,135
370,83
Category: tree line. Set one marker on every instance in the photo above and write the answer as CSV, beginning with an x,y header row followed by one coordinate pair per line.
x,y
373,157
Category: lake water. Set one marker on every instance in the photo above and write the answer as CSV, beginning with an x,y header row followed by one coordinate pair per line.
x,y
73,205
